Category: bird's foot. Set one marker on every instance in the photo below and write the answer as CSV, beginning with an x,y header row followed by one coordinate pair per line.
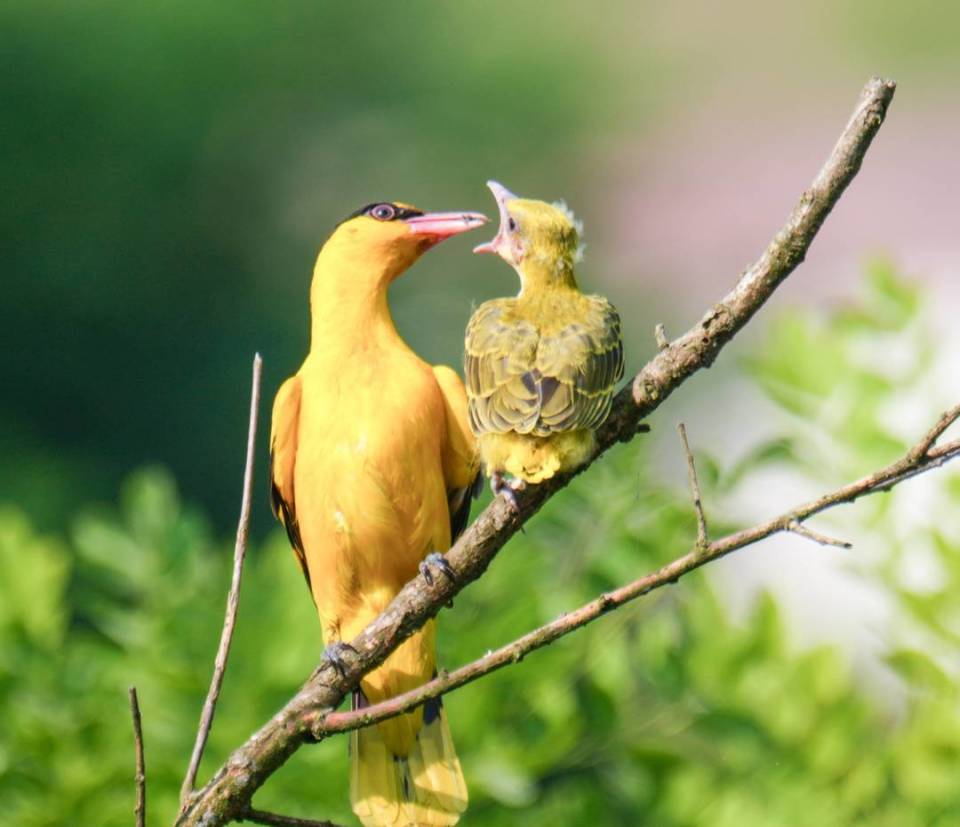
x,y
502,487
435,558
334,655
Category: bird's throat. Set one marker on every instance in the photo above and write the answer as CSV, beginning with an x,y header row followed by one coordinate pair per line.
x,y
348,302
537,275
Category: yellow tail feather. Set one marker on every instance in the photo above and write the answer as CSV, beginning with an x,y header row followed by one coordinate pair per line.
x,y
425,787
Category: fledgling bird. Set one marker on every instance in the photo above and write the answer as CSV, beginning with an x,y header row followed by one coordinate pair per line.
x,y
540,368
372,470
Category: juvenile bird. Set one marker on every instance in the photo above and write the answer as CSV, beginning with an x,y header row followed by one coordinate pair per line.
x,y
540,368
372,469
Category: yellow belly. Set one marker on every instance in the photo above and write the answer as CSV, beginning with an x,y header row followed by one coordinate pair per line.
x,y
371,504
535,458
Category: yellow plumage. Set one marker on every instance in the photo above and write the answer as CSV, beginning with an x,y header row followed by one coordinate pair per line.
x,y
372,462
541,368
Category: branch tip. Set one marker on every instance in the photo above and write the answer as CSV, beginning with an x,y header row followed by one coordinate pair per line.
x,y
796,527
924,446
660,336
140,779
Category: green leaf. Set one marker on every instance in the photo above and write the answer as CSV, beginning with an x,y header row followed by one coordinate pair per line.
x,y
919,670
34,572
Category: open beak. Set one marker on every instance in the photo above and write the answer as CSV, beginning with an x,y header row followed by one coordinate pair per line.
x,y
440,225
502,196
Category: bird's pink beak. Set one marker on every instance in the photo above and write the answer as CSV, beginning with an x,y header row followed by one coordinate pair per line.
x,y
502,196
440,225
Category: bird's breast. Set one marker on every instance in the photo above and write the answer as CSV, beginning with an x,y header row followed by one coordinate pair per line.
x,y
369,458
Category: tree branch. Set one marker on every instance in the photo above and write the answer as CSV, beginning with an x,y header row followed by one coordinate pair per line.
x,y
514,652
227,796
140,779
233,599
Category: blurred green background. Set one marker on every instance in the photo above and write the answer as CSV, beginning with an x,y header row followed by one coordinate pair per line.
x,y
169,173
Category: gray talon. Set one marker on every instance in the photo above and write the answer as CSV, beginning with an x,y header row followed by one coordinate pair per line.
x,y
435,558
334,654
507,489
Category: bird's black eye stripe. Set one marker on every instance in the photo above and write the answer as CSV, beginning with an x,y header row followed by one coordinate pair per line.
x,y
399,213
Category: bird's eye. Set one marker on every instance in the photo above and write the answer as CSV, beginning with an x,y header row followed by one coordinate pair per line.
x,y
512,225
384,212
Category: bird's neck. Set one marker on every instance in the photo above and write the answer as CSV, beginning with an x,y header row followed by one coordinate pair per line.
x,y
348,301
537,277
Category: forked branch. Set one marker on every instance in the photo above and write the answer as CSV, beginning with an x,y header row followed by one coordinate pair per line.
x,y
912,463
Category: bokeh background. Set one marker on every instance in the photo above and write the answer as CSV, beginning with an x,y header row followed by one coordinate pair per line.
x,y
169,171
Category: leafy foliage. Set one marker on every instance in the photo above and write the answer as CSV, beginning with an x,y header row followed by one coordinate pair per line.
x,y
666,713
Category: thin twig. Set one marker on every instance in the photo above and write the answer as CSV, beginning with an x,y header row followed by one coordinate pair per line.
x,y
140,779
334,722
229,793
823,539
233,599
702,540
275,820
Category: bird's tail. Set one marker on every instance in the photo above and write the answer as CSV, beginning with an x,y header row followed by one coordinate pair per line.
x,y
423,787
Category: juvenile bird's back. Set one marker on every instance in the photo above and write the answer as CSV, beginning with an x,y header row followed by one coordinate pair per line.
x,y
540,374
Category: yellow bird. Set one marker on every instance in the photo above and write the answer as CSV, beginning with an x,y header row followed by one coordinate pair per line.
x,y
541,368
372,469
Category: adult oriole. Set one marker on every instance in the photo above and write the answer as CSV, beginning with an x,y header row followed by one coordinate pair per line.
x,y
372,468
540,368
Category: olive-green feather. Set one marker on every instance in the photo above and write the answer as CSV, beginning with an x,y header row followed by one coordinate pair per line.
x,y
541,373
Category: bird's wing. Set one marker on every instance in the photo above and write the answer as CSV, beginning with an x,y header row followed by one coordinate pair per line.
x,y
579,368
500,355
461,461
284,430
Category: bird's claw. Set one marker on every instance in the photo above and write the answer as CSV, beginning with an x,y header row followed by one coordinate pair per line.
x,y
334,655
435,558
507,489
